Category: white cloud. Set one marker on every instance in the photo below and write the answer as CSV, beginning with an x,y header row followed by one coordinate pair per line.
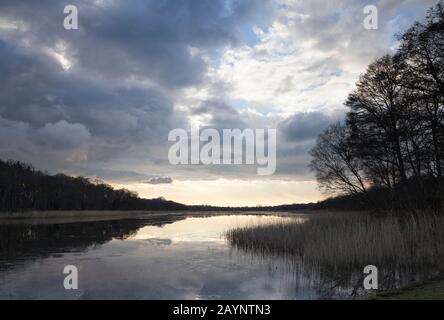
x,y
309,57
60,53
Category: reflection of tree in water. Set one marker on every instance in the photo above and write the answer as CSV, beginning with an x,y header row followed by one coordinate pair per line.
x,y
19,242
335,283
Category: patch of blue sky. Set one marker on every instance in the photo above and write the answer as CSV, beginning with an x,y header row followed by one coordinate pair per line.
x,y
238,104
265,110
403,19
242,105
250,37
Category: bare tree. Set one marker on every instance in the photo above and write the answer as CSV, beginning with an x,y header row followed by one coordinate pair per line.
x,y
422,49
337,169
377,117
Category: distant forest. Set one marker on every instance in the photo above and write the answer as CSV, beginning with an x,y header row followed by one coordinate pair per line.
x,y
389,152
24,188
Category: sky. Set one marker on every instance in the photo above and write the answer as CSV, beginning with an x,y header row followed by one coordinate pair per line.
x,y
101,100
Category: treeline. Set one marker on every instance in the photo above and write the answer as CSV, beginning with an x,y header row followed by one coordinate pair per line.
x,y
389,152
24,188
283,208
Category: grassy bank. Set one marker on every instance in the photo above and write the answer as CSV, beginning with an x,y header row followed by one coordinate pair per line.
x,y
429,290
352,240
348,242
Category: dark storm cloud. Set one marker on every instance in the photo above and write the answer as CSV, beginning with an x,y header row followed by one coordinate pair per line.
x,y
142,38
297,136
112,174
106,90
37,92
223,116
63,135
307,126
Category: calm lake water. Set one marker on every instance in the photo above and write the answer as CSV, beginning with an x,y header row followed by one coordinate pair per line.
x,y
167,257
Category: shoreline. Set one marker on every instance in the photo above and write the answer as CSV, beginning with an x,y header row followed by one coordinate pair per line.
x,y
66,216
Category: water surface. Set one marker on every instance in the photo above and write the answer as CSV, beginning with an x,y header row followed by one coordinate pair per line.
x,y
167,257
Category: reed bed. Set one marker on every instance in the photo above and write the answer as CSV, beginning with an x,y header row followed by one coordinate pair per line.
x,y
350,241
